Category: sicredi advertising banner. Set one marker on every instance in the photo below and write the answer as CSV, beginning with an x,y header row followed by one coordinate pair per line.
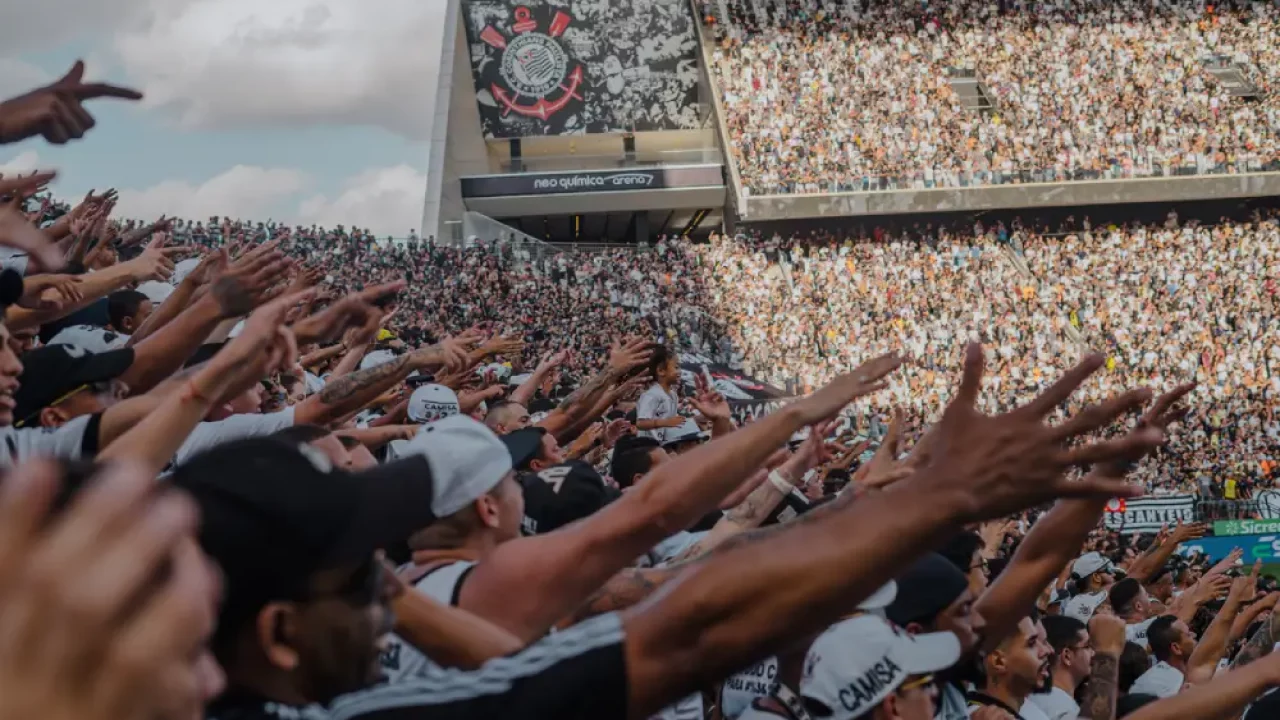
x,y
1246,527
1256,547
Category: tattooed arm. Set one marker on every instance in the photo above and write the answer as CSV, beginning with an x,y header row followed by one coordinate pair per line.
x,y
622,591
1106,634
348,394
748,514
586,395
739,527
1261,643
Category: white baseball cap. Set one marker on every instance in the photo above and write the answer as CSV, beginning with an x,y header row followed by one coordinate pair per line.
x,y
90,338
467,460
183,269
1082,607
376,358
431,403
156,291
860,661
1090,563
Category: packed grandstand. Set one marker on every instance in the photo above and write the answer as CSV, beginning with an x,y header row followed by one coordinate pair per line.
x,y
1079,90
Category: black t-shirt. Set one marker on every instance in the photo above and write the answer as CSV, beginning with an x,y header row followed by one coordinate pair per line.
x,y
577,674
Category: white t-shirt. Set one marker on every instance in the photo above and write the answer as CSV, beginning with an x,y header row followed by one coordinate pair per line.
x,y
1162,680
741,689
237,427
1056,704
1137,632
64,443
656,404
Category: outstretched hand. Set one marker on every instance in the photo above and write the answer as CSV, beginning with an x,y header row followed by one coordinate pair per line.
x,y
995,465
866,379
17,232
56,111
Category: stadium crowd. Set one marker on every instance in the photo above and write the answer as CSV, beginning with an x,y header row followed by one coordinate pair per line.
x,y
256,472
825,97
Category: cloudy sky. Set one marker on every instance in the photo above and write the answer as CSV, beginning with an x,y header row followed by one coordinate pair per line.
x,y
308,111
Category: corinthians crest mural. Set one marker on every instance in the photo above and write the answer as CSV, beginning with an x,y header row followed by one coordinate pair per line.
x,y
583,66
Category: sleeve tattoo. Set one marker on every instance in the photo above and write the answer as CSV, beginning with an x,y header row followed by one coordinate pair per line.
x,y
1260,644
623,590
1099,701
591,387
344,388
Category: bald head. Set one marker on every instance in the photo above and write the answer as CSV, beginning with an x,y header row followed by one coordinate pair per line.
x,y
505,417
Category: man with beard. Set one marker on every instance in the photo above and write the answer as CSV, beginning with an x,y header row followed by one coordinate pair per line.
x,y
1080,654
1013,671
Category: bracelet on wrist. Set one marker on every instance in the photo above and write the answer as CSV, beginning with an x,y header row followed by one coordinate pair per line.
x,y
780,482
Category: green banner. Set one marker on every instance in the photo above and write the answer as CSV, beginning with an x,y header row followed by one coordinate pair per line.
x,y
1246,527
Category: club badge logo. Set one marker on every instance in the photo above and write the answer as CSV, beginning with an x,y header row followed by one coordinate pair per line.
x,y
540,77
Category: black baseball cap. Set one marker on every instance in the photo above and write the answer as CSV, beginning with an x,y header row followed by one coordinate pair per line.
x,y
274,513
927,588
52,372
562,494
523,445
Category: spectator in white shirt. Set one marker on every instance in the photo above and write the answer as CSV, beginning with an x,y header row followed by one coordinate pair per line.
x,y
1172,643
1072,660
656,410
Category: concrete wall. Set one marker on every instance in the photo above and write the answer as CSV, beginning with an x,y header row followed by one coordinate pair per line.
x,y
1102,192
456,146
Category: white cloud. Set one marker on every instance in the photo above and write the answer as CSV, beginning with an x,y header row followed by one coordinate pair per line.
x,y
246,192
23,162
45,24
233,63
387,201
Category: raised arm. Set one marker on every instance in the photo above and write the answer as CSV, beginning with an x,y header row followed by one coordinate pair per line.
x,y
756,595
1213,644
95,286
263,346
182,296
524,393
1057,537
529,584
347,395
1148,563
1106,635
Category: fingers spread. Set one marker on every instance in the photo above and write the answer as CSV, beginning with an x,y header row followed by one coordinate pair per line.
x,y
1103,413
1058,393
1134,444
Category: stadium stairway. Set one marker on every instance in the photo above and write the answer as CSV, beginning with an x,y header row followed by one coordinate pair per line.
x,y
707,46
1073,334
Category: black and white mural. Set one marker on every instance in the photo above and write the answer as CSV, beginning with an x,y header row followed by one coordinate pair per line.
x,y
565,67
